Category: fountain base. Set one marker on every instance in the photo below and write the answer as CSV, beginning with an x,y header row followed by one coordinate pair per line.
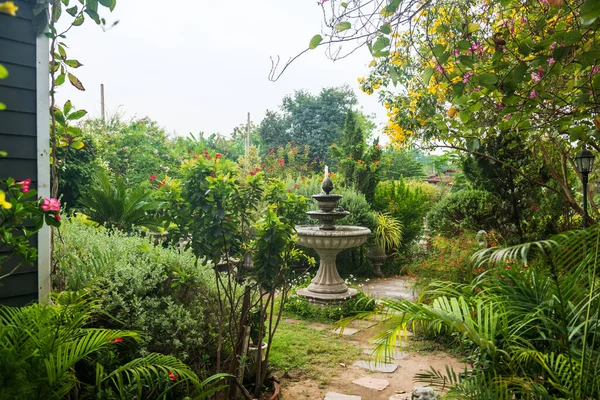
x,y
327,298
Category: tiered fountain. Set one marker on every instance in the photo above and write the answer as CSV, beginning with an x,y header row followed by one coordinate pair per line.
x,y
328,240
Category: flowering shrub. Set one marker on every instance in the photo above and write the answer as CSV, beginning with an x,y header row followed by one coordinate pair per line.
x,y
22,215
448,259
289,161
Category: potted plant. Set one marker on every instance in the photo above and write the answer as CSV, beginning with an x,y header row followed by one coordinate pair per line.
x,y
388,234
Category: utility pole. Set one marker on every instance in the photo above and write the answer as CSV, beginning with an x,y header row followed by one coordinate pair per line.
x,y
248,135
102,104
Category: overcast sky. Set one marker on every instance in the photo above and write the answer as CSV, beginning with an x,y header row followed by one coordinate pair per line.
x,y
198,65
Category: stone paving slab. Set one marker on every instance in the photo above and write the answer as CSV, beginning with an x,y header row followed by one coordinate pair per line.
x,y
396,355
405,396
377,367
346,332
339,396
391,288
362,324
372,383
318,326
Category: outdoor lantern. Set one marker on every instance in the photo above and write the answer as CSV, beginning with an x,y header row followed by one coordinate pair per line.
x,y
584,161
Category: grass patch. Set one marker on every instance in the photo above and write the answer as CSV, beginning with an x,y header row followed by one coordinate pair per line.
x,y
302,351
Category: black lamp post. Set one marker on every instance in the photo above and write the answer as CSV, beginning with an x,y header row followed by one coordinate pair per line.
x,y
585,163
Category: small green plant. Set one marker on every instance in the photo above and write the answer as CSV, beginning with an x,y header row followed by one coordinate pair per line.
x,y
388,232
109,201
298,306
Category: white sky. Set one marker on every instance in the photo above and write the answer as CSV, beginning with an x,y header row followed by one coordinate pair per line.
x,y
198,65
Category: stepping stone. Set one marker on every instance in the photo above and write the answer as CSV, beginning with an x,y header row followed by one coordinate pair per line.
x,y
379,367
396,354
405,396
362,324
339,396
346,332
372,383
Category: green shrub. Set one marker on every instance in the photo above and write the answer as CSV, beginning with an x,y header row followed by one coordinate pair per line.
x,y
466,210
298,306
161,292
405,202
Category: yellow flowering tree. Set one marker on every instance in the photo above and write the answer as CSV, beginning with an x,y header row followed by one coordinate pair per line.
x,y
458,74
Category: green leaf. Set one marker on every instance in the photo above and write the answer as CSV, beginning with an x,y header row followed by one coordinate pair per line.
x,y
381,43
3,72
427,74
110,4
59,80
385,28
77,145
57,11
439,50
488,80
315,41
73,11
67,107
464,45
391,8
79,20
77,115
75,82
73,63
93,15
62,52
590,10
344,4
2,106
458,89
92,5
342,26
74,130
464,116
473,27
520,72
59,116
473,144
3,153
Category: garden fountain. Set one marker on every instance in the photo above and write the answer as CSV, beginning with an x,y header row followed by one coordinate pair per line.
x,y
328,240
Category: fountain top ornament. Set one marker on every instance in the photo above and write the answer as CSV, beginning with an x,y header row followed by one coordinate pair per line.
x,y
328,212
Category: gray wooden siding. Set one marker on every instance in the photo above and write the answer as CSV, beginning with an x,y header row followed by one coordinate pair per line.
x,y
18,133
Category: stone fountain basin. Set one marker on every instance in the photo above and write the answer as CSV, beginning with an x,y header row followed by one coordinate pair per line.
x,y
343,237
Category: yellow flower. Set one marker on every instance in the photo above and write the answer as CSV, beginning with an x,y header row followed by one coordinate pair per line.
x,y
3,202
8,7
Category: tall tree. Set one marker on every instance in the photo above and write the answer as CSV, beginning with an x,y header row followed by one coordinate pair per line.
x,y
316,121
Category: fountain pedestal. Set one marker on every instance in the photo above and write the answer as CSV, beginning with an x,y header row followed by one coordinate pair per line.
x,y
327,286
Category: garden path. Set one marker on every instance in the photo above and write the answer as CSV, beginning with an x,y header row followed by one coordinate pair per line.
x,y
361,379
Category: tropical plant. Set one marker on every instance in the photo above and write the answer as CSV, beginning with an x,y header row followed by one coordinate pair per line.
x,y
388,232
532,320
109,201
44,348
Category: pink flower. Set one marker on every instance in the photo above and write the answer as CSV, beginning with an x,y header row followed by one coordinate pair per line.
x,y
534,94
25,185
595,69
553,46
440,69
50,204
57,216
551,61
152,178
507,267
537,76
467,76
456,52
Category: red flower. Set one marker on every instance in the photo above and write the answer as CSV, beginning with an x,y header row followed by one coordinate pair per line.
x,y
173,376
57,216
50,205
195,156
296,186
25,185
152,178
252,173
218,155
161,184
212,175
227,219
117,340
